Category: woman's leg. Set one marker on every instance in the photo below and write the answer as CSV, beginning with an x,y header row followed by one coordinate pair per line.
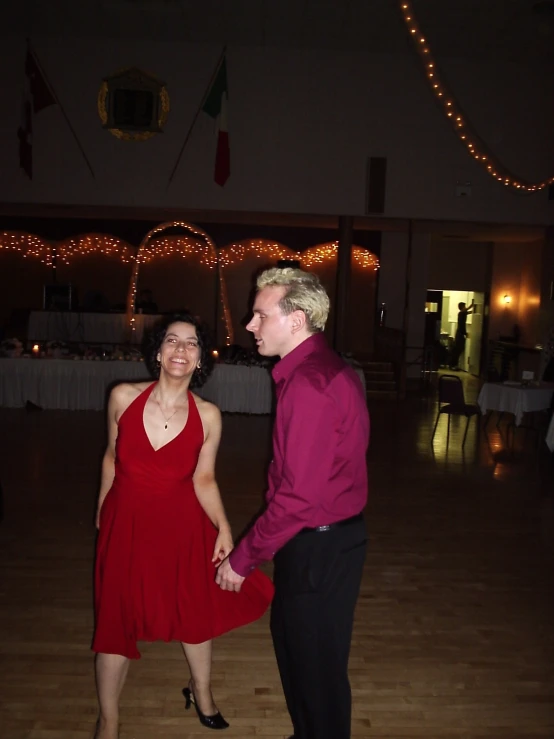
x,y
199,658
111,671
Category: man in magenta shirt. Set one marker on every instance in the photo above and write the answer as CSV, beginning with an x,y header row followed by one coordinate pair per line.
x,y
312,525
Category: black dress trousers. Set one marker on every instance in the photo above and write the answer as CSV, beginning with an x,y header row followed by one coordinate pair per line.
x,y
317,581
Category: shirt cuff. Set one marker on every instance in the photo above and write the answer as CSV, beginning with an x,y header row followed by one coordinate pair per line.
x,y
240,562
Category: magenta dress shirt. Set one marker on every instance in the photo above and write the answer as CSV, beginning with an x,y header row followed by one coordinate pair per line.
x,y
318,474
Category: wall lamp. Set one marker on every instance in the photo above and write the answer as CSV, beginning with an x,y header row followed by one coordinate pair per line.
x,y
507,299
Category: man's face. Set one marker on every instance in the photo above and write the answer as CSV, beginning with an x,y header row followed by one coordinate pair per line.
x,y
272,330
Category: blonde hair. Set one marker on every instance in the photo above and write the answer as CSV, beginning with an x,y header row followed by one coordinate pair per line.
x,y
304,292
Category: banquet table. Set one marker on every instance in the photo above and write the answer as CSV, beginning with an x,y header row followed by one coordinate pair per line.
x,y
70,384
515,398
86,328
66,384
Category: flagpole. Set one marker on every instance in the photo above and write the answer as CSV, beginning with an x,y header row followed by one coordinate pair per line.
x,y
189,132
43,73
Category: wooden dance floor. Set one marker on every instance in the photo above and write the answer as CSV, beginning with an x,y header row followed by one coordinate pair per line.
x,y
455,623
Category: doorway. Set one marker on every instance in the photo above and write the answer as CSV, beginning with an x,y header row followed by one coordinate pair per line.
x,y
441,323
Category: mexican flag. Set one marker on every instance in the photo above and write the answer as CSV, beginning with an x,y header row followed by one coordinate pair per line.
x,y
216,107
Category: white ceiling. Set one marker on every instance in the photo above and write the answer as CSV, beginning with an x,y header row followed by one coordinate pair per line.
x,y
518,30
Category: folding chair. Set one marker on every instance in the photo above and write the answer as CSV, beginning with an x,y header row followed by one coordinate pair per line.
x,y
452,403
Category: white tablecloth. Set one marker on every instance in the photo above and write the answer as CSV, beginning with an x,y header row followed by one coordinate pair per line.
x,y
86,328
516,399
63,383
239,389
83,385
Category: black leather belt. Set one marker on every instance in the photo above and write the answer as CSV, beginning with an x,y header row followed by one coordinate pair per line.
x,y
335,525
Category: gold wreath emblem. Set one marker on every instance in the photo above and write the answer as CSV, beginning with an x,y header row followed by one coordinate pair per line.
x,y
132,135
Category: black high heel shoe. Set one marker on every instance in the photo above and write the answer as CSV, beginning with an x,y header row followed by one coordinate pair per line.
x,y
211,722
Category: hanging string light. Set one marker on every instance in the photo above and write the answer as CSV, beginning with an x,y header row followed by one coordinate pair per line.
x,y
28,245
53,253
237,252
94,244
468,137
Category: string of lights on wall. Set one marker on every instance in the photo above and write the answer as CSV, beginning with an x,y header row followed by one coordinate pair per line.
x,y
198,245
94,244
28,245
468,137
53,253
236,253
328,252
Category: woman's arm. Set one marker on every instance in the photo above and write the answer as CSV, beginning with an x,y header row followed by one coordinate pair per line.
x,y
108,461
205,485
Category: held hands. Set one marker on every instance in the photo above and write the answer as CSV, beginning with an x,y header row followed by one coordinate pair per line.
x,y
227,578
223,545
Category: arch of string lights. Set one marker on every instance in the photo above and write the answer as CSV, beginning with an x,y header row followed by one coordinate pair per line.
x,y
199,243
462,127
184,246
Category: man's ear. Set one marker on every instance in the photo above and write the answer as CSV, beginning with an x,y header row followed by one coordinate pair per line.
x,y
298,321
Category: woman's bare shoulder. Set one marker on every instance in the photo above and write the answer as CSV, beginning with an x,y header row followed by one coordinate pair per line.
x,y
122,395
209,412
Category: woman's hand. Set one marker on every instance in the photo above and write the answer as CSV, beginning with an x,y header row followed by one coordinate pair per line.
x,y
223,545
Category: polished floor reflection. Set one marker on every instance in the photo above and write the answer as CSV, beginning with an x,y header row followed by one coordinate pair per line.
x,y
453,635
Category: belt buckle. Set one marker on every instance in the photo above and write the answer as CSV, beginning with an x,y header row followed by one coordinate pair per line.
x,y
323,528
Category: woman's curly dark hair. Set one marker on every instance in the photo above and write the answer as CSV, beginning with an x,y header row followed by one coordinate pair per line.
x,y
157,335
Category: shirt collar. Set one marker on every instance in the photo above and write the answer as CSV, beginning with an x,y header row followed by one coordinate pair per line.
x,y
286,366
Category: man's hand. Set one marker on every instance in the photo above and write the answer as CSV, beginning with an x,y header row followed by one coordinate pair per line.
x,y
227,578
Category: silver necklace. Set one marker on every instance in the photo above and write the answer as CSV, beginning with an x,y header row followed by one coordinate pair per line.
x,y
167,420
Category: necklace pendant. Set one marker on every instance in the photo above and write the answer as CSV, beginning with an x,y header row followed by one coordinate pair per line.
x,y
165,426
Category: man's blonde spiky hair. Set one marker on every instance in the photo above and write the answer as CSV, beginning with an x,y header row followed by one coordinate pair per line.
x,y
304,292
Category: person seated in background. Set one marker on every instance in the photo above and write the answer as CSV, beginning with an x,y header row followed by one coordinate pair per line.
x,y
145,302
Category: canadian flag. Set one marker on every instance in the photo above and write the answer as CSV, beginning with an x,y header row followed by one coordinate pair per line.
x,y
37,96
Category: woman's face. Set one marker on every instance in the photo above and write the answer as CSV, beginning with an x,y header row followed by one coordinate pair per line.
x,y
179,353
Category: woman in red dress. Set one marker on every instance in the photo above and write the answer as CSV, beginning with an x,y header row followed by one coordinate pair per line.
x,y
162,527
